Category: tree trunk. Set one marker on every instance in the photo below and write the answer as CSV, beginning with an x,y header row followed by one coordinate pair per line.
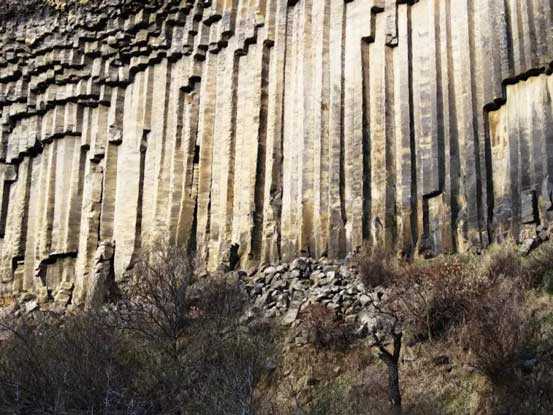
x,y
392,362
394,394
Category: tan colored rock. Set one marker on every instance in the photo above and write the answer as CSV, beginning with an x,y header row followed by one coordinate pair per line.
x,y
254,131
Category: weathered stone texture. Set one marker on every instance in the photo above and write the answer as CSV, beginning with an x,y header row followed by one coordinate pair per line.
x,y
266,129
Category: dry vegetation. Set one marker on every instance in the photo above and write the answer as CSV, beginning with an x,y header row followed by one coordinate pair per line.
x,y
169,346
477,339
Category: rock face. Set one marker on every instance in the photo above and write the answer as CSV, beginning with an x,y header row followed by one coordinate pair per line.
x,y
260,130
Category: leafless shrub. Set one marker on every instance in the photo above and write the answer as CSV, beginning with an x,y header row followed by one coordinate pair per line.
x,y
323,329
384,326
171,346
503,261
377,267
57,366
496,330
156,295
433,297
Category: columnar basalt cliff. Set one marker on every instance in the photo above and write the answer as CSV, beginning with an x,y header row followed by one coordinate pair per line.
x,y
256,130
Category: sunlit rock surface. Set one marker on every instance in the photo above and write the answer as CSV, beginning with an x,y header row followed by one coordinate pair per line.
x,y
259,130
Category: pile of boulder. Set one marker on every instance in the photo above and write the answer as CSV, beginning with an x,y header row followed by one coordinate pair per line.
x,y
285,290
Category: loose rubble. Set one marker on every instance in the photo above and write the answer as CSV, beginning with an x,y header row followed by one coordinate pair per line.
x,y
284,290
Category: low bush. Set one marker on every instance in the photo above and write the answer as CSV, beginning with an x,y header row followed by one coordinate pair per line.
x,y
503,261
324,330
539,266
432,297
172,345
377,267
496,331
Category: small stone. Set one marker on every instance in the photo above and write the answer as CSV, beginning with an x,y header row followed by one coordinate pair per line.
x,y
528,245
331,275
270,313
290,316
31,306
299,264
24,297
300,340
62,298
43,295
282,268
270,270
364,300
323,281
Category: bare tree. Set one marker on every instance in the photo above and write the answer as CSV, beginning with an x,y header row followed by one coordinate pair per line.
x,y
382,324
157,292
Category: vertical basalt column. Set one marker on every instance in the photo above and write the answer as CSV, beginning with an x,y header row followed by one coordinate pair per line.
x,y
90,223
320,108
292,131
380,102
261,174
480,96
176,149
114,139
448,206
67,191
272,234
404,137
31,258
523,190
13,249
359,30
47,198
187,208
250,144
208,91
305,200
222,202
428,123
336,234
157,161
130,167
468,224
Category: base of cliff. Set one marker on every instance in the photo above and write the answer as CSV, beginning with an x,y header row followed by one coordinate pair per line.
x,y
297,338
